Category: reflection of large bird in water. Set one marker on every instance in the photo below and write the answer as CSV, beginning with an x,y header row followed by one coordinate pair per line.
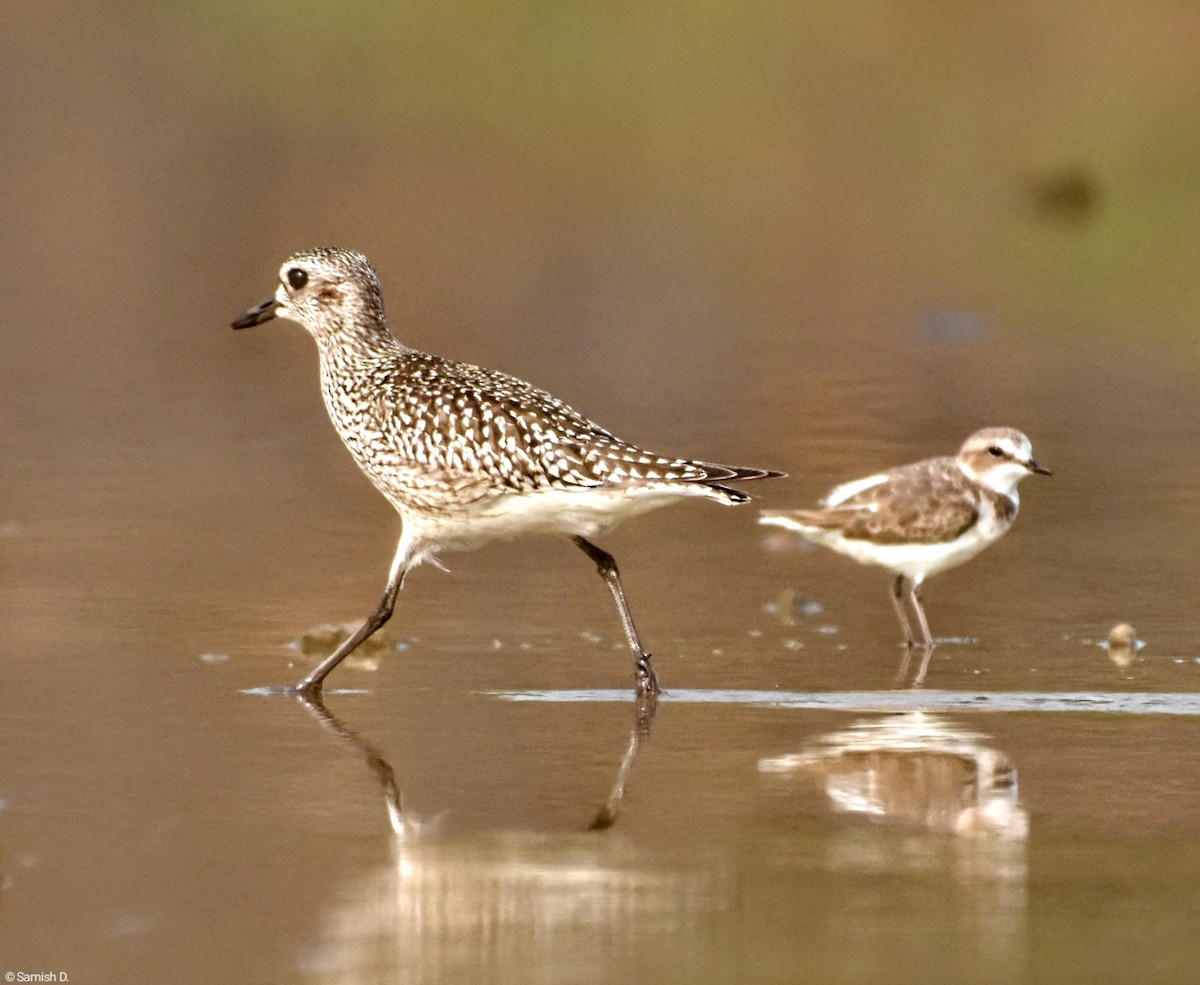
x,y
449,904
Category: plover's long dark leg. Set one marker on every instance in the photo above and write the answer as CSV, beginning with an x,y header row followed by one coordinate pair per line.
x,y
899,593
647,682
310,686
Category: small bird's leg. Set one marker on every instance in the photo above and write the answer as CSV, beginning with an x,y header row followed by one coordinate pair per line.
x,y
310,686
920,678
647,682
899,591
915,594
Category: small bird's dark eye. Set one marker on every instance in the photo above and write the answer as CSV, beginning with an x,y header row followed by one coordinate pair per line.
x,y
996,451
297,278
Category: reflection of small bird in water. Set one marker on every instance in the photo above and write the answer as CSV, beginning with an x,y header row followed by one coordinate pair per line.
x,y
920,519
1123,644
915,767
469,455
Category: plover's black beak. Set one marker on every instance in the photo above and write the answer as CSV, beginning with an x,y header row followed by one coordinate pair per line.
x,y
1031,464
256,315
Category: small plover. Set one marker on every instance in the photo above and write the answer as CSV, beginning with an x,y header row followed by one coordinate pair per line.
x,y
918,520
469,455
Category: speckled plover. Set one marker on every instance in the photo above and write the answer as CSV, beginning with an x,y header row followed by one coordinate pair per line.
x,y
468,455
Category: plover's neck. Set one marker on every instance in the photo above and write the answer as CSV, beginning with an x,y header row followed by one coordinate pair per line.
x,y
352,345
1001,480
354,366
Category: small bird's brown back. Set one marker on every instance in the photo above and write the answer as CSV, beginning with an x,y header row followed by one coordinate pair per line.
x,y
923,503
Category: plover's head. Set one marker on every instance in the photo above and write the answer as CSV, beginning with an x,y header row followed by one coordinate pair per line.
x,y
327,290
999,458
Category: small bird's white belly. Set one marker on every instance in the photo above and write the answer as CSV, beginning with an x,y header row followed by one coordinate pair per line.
x,y
911,560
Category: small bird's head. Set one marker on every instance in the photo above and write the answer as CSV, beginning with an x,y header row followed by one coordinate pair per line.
x,y
327,290
999,458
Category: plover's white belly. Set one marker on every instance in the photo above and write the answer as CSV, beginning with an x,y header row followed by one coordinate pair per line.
x,y
912,560
582,513
918,560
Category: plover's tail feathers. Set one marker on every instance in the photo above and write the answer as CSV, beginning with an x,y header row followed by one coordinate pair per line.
x,y
798,521
736,473
614,463
733,473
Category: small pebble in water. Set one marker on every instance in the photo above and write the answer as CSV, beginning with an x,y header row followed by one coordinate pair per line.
x,y
1122,634
788,607
1123,644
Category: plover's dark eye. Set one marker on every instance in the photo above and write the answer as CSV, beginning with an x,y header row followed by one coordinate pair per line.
x,y
996,451
297,278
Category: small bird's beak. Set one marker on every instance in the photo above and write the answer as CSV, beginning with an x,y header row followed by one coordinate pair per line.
x,y
1031,464
256,315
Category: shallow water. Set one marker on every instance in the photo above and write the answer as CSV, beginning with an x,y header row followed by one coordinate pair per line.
x,y
824,243
1098,702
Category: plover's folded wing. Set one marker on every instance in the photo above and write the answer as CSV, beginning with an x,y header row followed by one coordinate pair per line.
x,y
504,435
930,502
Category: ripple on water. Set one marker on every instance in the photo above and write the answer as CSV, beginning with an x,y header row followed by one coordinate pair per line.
x,y
1101,702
